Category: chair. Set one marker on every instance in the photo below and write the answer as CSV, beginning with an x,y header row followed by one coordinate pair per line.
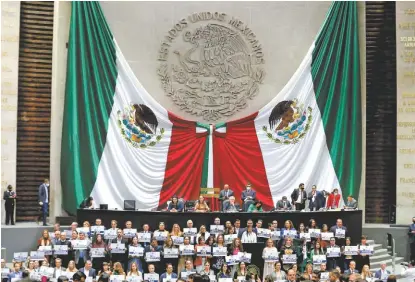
x,y
223,205
246,204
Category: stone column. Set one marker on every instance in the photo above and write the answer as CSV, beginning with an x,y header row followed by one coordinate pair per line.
x,y
10,28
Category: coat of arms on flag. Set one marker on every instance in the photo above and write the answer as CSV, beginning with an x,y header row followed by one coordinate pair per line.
x,y
138,125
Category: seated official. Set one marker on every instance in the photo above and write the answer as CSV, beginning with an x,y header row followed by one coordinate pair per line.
x,y
175,205
351,203
248,194
283,205
255,207
201,205
225,193
231,206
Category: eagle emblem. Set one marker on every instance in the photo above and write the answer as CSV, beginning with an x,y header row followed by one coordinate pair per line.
x,y
138,125
288,122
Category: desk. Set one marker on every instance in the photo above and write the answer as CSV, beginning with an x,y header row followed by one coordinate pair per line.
x,y
351,219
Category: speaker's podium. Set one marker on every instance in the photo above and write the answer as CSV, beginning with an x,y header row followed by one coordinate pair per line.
x,y
212,196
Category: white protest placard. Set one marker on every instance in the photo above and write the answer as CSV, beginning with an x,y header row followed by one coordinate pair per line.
x,y
229,238
305,236
185,274
46,271
84,230
177,240
110,234
117,248
69,274
21,256
333,252
217,229
275,235
324,276
290,233
136,251
203,251
189,232
351,250
79,244
325,236
271,255
220,251
46,249
225,280
98,252
35,276
60,249
289,259
366,250
134,278
245,257
144,237
35,255
5,272
151,277
319,259
232,260
212,278
98,229
160,235
117,278
187,250
171,253
130,232
68,234
340,233
15,279
241,278
90,279
314,233
263,233
152,256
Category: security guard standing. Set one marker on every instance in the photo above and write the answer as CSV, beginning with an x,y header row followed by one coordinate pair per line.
x,y
10,197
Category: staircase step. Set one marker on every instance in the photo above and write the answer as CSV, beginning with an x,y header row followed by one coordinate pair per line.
x,y
379,258
376,265
370,242
377,247
380,252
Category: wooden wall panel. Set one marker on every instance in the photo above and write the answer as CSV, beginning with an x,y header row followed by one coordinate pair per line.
x,y
34,105
380,111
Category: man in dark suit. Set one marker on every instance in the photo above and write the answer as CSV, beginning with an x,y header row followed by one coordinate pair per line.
x,y
315,199
248,196
154,247
333,262
169,274
283,204
340,239
231,206
224,195
58,269
10,197
88,270
352,268
82,255
44,199
382,273
62,241
298,197
351,203
120,240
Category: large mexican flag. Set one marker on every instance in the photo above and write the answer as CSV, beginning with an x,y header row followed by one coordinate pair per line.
x,y
119,144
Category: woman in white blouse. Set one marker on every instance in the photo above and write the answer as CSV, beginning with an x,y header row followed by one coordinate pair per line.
x,y
366,274
269,265
249,236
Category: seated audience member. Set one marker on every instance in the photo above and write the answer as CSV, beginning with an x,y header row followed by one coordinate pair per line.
x,y
224,195
334,276
175,205
382,273
248,196
352,268
366,273
88,203
88,270
74,225
231,206
169,274
78,276
105,277
57,235
202,234
278,274
58,269
333,199
351,203
118,269
392,278
16,271
201,205
62,279
291,275
225,272
71,267
308,273
249,236
283,205
188,269
134,271
242,271
206,269
323,268
255,207
105,269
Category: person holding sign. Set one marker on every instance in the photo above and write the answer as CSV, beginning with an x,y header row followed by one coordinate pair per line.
x,y
99,244
202,233
16,272
184,257
200,258
316,251
154,247
206,270
134,257
241,273
175,231
347,258
168,248
118,269
287,249
362,258
218,261
278,274
134,272
270,255
333,259
224,272
169,274
117,254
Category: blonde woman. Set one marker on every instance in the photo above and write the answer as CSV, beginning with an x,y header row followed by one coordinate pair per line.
x,y
71,267
134,271
366,274
268,265
175,231
118,270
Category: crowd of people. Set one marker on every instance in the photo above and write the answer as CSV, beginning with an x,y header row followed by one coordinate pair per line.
x,y
309,252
